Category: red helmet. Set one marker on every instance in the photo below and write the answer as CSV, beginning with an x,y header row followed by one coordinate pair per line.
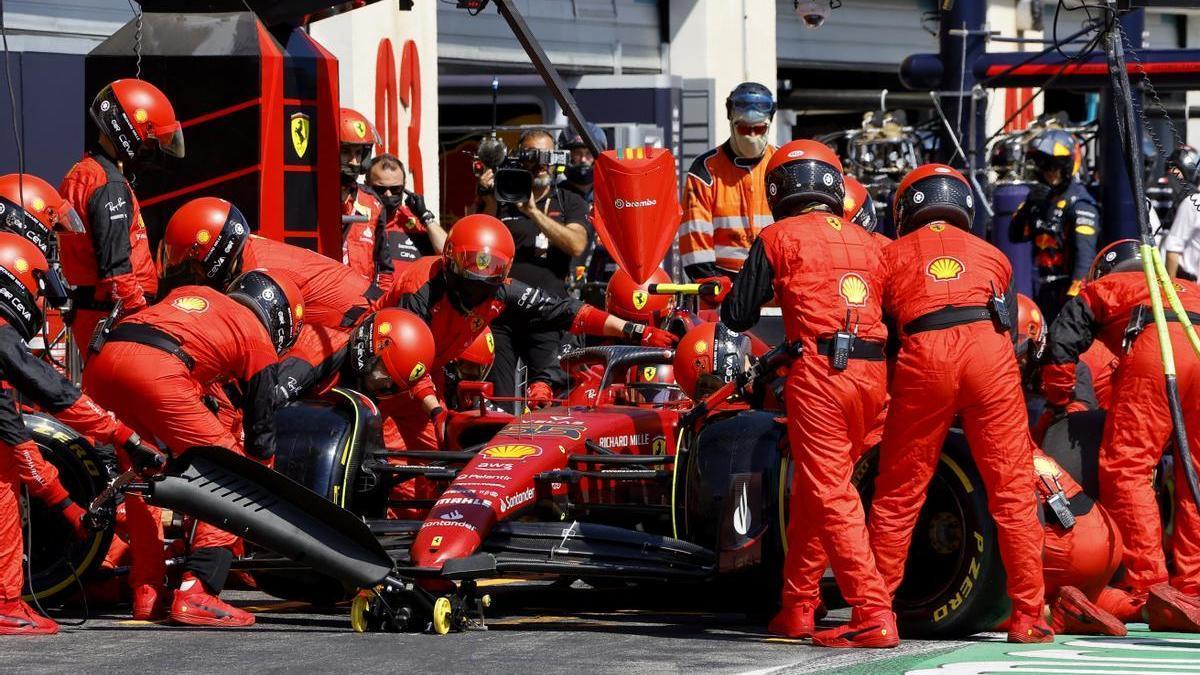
x,y
634,302
392,348
1031,327
203,242
276,301
933,192
1123,255
709,356
24,277
804,172
32,208
357,133
475,362
135,115
857,206
479,253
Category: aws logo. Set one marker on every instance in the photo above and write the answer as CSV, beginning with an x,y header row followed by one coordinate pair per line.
x,y
511,451
945,268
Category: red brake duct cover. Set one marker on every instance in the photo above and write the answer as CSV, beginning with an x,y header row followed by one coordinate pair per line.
x,y
637,208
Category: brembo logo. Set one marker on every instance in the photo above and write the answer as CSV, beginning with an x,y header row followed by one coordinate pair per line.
x,y
623,203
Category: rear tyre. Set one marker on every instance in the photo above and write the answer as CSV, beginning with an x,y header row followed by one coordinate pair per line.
x,y
57,560
954,582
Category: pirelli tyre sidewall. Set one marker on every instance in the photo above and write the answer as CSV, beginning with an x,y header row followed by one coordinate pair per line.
x,y
57,559
954,582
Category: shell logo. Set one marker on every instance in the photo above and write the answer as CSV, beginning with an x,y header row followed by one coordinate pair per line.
x,y
853,289
1035,314
701,347
38,204
1045,467
848,204
511,451
190,303
491,343
417,371
945,268
383,328
640,298
299,311
140,115
21,264
203,237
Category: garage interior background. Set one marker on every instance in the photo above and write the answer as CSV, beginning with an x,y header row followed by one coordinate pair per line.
x,y
649,71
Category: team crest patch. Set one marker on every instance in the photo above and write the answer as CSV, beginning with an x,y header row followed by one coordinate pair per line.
x,y
937,227
483,259
417,371
835,223
648,373
190,303
853,289
640,298
511,451
477,325
491,343
945,268
360,128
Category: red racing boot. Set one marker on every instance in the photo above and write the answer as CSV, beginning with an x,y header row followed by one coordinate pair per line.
x,y
18,618
151,603
1029,628
195,606
1126,605
875,629
1073,614
797,621
1170,609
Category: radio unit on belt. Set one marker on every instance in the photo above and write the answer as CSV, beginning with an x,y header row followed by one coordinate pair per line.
x,y
998,306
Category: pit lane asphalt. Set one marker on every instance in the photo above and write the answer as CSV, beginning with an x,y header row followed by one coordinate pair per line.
x,y
532,628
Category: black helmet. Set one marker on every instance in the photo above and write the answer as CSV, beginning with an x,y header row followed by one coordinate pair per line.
x,y
1055,149
1186,160
804,172
277,303
933,192
750,102
1123,255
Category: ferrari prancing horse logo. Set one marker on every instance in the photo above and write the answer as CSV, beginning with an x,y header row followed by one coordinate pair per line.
x,y
639,299
300,128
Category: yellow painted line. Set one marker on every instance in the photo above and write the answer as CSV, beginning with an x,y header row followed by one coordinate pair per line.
x,y
786,641
139,622
482,583
277,606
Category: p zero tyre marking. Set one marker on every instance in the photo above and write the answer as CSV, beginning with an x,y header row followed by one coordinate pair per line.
x,y
783,472
962,476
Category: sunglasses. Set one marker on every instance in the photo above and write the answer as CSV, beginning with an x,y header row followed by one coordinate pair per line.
x,y
751,129
388,190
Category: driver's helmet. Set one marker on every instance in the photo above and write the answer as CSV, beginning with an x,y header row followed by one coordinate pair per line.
x,y
653,383
709,356
475,362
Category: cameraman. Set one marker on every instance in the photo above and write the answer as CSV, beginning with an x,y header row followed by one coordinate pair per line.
x,y
549,229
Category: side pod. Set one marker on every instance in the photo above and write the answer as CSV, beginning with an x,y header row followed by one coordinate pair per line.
x,y
268,509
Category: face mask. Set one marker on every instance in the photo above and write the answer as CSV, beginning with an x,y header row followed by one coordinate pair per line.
x,y
391,203
747,146
580,174
541,182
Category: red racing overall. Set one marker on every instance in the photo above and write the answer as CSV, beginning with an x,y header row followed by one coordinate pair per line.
x,y
157,389
959,369
364,244
110,261
1138,425
20,460
821,269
